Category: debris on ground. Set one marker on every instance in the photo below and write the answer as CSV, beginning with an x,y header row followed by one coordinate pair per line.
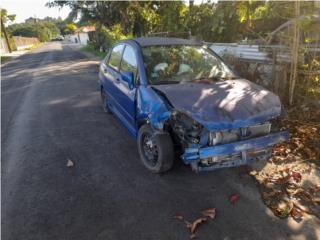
x,y
234,198
289,181
211,213
70,163
193,226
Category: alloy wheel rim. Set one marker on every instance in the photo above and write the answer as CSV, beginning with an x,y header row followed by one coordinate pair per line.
x,y
150,149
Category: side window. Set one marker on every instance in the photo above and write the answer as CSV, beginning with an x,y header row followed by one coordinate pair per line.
x,y
129,61
115,57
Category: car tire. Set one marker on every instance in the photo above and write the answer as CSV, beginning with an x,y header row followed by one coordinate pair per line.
x,y
163,151
104,105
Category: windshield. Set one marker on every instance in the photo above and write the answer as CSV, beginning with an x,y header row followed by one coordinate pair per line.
x,y
183,63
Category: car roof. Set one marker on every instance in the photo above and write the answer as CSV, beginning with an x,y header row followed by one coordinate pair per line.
x,y
161,41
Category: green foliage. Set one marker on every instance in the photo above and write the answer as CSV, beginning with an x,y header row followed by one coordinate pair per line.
x,y
44,30
5,17
104,37
221,21
70,28
5,59
90,48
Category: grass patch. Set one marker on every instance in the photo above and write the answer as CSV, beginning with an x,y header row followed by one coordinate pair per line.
x,y
89,48
34,46
5,59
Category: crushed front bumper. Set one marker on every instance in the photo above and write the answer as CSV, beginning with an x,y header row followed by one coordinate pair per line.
x,y
238,153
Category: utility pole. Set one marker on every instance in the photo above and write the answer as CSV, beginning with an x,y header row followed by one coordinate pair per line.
x,y
3,29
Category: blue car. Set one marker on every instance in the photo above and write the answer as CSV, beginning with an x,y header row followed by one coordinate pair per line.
x,y
176,96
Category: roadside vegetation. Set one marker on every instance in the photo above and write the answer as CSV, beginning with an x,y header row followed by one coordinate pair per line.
x,y
43,29
5,59
91,49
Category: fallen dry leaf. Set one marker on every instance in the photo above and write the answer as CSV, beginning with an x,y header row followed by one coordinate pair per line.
x,y
296,213
179,217
70,163
193,236
188,224
233,198
211,213
296,176
196,223
283,180
208,213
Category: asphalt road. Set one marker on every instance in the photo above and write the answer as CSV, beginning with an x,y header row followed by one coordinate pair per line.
x,y
51,113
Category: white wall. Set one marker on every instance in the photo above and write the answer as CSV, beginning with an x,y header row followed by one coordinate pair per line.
x,y
80,38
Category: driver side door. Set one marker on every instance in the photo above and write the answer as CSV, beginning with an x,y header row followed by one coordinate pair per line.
x,y
126,92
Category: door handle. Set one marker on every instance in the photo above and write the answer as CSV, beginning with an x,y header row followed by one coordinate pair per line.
x,y
105,70
118,80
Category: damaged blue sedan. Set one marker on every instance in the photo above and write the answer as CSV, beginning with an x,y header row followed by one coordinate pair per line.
x,y
177,96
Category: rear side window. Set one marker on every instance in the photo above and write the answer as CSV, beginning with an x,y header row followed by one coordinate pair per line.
x,y
115,57
129,61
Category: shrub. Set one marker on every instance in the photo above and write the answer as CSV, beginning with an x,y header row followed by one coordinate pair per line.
x,y
104,38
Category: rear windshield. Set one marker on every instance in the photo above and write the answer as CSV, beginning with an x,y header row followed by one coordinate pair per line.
x,y
183,63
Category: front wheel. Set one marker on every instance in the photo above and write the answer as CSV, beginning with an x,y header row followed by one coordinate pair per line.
x,y
155,149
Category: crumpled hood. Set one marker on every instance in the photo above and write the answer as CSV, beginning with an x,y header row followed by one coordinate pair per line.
x,y
224,104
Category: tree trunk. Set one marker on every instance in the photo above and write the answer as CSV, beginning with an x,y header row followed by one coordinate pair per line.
x,y
191,2
6,36
294,53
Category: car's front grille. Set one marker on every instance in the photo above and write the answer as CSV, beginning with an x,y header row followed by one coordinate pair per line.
x,y
233,135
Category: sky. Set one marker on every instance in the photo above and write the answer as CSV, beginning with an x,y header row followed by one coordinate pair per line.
x,y
32,8
36,8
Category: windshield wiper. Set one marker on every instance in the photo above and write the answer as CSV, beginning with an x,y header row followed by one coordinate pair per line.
x,y
165,82
215,78
206,79
228,78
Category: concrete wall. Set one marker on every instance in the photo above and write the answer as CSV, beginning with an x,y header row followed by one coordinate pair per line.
x,y
80,38
25,42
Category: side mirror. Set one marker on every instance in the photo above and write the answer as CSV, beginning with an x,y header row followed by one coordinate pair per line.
x,y
129,78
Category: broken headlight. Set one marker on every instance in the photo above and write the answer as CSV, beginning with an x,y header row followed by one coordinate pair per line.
x,y
187,129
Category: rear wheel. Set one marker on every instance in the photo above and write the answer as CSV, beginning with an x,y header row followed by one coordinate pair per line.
x,y
155,149
104,101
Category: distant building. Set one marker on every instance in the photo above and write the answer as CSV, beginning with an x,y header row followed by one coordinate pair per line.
x,y
81,36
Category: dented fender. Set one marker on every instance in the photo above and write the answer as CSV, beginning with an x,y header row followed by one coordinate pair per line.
x,y
151,108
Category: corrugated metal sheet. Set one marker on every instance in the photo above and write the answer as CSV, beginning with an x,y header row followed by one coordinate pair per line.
x,y
241,51
260,53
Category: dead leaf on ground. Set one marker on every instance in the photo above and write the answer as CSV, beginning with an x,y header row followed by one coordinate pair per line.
x,y
296,213
296,176
70,163
193,236
196,223
178,217
211,213
208,213
282,180
234,198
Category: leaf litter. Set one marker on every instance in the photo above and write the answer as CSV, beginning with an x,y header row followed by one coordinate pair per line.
x,y
207,214
289,182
